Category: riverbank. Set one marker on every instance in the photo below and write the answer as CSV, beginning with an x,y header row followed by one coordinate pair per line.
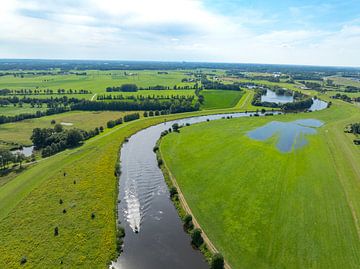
x,y
183,209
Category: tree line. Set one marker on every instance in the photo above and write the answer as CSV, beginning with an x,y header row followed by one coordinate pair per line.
x,y
174,106
126,118
143,97
42,91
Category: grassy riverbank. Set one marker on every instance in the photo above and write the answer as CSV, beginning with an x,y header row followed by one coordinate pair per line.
x,y
262,208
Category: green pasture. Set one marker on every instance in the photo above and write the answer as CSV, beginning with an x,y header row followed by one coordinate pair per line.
x,y
220,99
266,209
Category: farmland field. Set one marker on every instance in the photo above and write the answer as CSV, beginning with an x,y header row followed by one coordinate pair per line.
x,y
96,81
293,210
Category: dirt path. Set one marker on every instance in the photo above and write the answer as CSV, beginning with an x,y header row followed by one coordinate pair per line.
x,y
92,98
186,207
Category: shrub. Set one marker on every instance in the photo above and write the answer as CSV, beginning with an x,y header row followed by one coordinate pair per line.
x,y
23,260
173,191
196,238
188,224
53,121
217,261
175,127
56,231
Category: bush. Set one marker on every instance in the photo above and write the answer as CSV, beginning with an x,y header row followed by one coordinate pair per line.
x,y
23,260
173,191
56,231
217,261
188,224
196,238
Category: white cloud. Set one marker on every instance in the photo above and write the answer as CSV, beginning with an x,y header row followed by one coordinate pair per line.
x,y
164,30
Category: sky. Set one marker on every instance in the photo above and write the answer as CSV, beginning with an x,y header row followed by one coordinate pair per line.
x,y
304,32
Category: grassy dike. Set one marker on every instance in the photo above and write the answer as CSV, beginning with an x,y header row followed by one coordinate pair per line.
x,y
30,206
265,209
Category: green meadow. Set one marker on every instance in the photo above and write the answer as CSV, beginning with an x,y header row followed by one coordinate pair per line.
x,y
266,209
220,99
94,80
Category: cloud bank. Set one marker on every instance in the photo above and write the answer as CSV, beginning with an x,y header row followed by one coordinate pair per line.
x,y
167,30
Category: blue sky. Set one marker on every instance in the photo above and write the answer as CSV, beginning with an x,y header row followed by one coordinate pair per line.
x,y
287,32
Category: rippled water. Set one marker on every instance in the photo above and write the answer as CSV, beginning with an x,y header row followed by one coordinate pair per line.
x,y
290,135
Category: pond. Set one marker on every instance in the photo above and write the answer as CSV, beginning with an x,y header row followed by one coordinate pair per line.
x,y
272,97
318,105
27,151
289,135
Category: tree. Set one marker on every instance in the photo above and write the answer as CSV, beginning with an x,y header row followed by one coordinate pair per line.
x,y
19,158
74,137
175,127
58,128
217,261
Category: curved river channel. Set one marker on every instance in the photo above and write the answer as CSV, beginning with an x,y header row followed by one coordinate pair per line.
x,y
145,206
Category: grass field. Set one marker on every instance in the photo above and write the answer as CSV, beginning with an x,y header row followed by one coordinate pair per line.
x,y
220,99
20,132
15,110
266,209
96,81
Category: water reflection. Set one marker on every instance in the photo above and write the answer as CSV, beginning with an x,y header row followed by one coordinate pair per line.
x,y
289,135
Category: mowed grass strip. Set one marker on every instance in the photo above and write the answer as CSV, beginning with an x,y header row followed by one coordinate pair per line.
x,y
266,209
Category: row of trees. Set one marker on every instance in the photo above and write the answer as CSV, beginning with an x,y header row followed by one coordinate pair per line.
x,y
131,117
174,106
143,97
123,88
126,118
42,91
343,97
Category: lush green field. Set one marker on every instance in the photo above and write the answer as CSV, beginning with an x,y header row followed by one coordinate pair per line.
x,y
96,81
20,132
16,110
220,99
266,209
